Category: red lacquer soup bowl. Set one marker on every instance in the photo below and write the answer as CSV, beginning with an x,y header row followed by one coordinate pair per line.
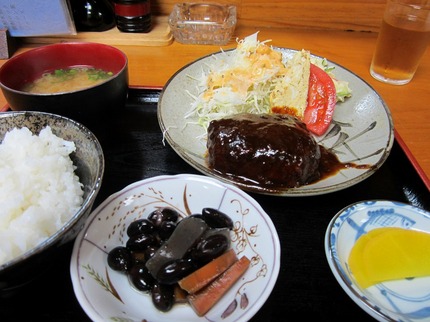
x,y
89,103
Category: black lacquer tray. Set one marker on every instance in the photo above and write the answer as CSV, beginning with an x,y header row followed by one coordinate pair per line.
x,y
134,150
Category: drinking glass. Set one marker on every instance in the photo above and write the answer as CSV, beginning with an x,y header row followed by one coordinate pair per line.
x,y
402,41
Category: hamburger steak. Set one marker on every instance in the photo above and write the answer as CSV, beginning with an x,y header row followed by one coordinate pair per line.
x,y
270,150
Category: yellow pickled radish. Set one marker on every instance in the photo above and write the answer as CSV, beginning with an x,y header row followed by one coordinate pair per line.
x,y
390,253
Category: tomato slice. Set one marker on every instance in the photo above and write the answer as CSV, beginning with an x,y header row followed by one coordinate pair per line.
x,y
321,101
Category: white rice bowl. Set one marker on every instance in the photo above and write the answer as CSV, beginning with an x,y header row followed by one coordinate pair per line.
x,y
39,191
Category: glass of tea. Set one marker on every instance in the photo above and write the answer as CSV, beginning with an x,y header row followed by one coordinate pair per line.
x,y
402,41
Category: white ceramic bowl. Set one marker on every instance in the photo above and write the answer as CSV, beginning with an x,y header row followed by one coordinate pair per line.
x,y
400,300
106,294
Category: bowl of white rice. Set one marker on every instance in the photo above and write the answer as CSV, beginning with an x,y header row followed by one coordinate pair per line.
x,y
51,170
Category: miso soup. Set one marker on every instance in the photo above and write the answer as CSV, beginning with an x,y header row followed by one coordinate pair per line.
x,y
67,80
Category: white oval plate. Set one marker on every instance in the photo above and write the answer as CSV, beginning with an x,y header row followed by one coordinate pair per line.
x,y
105,294
362,130
402,300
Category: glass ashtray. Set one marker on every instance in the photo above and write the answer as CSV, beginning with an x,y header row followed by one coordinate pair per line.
x,y
203,23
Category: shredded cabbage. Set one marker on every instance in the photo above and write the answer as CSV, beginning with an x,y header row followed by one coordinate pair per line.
x,y
241,82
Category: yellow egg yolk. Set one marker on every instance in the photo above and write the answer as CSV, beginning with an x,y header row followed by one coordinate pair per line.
x,y
390,253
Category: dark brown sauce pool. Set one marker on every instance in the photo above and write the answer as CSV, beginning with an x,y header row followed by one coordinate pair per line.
x,y
330,165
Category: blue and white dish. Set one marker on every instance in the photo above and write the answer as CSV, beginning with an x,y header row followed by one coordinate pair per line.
x,y
107,295
399,300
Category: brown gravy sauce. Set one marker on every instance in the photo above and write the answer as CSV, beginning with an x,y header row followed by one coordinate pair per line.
x,y
330,165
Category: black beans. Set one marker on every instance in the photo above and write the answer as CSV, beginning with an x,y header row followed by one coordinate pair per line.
x,y
139,227
165,214
163,296
140,242
216,219
149,236
173,271
166,229
141,278
210,248
119,259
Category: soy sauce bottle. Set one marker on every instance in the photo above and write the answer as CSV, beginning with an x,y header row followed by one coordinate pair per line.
x,y
133,15
93,15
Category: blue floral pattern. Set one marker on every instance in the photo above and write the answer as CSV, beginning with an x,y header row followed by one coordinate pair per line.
x,y
403,300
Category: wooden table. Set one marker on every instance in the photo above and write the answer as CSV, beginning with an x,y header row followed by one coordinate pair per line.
x,y
409,104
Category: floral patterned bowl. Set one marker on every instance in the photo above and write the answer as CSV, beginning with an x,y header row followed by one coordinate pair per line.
x,y
106,294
